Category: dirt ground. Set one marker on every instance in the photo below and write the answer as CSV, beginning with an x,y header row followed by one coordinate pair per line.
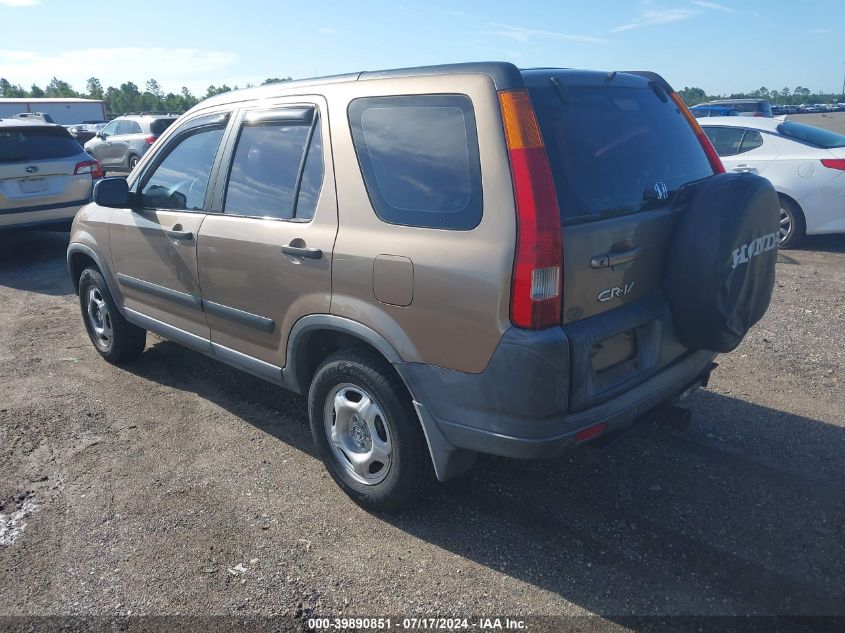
x,y
138,489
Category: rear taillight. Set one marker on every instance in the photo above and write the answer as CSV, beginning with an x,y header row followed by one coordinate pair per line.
x,y
88,167
834,163
706,145
150,140
537,269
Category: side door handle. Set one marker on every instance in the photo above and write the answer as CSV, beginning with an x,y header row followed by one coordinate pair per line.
x,y
178,234
609,260
308,252
743,169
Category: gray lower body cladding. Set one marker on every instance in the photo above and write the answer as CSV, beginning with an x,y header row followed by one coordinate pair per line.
x,y
518,406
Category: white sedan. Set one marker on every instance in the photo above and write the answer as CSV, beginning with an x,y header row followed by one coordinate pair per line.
x,y
805,164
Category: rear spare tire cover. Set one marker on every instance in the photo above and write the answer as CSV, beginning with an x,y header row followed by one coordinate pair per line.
x,y
721,262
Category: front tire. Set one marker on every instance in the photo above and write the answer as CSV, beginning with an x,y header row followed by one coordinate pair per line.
x,y
114,338
366,431
792,224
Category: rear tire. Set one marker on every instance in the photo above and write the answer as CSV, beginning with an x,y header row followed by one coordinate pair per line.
x,y
367,432
132,161
793,227
114,338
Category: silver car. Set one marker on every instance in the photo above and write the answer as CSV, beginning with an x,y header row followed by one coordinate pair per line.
x,y
120,145
45,176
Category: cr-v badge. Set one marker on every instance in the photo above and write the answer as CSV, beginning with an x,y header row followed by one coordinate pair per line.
x,y
617,291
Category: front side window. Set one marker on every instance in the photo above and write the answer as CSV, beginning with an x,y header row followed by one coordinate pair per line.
x,y
726,140
419,157
277,170
111,128
180,180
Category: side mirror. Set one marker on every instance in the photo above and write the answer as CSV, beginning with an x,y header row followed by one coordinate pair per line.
x,y
102,135
114,193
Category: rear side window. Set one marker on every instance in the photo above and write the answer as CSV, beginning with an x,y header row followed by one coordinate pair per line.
x,y
419,157
752,140
612,147
272,176
36,143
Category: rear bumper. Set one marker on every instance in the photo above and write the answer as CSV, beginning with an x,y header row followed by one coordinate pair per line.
x,y
518,406
46,214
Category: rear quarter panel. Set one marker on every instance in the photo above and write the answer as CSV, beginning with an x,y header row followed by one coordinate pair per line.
x,y
461,279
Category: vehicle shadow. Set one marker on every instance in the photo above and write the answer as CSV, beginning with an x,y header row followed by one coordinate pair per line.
x,y
35,261
721,518
824,243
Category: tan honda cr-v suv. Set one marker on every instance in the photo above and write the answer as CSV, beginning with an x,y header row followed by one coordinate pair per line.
x,y
445,261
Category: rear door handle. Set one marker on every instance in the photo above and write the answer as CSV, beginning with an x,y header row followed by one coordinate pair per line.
x,y
609,260
309,252
178,234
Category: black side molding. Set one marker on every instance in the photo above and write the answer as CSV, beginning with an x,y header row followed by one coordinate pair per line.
x,y
239,316
182,298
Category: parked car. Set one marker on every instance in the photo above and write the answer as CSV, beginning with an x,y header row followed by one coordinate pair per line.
x,y
701,111
121,144
84,132
746,107
45,176
805,164
446,261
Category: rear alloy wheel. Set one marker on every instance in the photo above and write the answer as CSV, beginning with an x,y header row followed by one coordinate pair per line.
x,y
366,431
133,161
791,224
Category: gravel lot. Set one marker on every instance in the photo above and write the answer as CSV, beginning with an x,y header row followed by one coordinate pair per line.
x,y
142,489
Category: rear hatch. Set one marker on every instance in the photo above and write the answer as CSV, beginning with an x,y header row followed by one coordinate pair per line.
x,y
621,153
37,165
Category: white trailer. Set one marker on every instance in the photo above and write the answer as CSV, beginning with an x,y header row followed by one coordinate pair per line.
x,y
64,111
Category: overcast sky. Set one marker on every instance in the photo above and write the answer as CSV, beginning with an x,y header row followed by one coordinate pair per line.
x,y
723,46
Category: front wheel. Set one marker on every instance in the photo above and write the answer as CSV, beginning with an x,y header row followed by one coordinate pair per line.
x,y
366,431
114,338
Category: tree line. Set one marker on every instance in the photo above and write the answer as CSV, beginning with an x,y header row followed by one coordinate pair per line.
x,y
127,98
694,96
130,98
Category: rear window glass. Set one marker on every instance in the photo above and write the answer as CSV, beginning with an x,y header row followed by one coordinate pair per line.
x,y
615,150
36,143
812,135
160,125
419,157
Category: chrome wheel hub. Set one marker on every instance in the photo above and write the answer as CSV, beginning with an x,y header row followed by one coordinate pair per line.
x,y
99,318
358,434
785,225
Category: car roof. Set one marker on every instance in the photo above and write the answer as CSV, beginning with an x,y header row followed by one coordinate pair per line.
x,y
26,122
753,122
146,115
505,76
